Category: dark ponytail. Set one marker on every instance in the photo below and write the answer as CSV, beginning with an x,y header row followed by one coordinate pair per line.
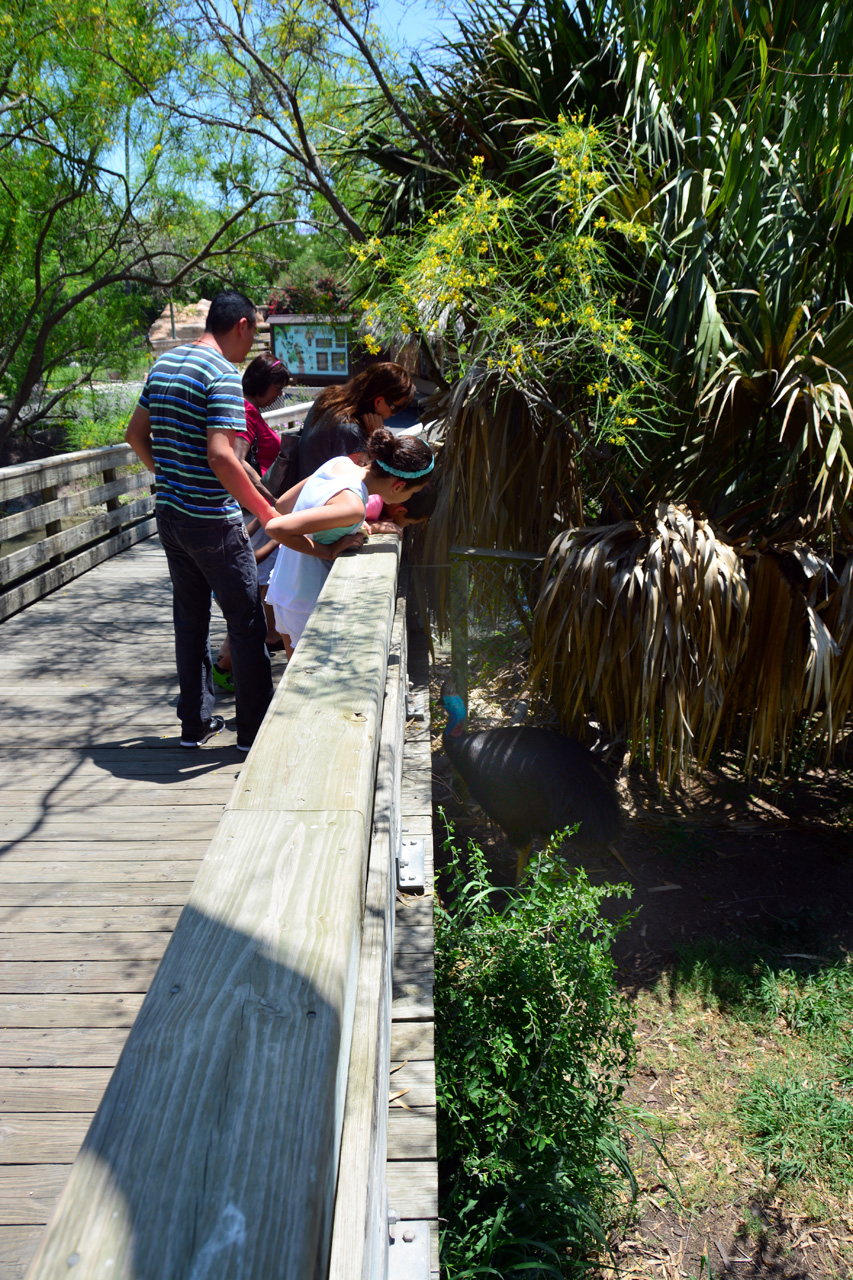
x,y
400,456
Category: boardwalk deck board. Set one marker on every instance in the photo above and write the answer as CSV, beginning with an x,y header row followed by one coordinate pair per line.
x,y
58,976
103,825
412,1170
46,1089
104,1009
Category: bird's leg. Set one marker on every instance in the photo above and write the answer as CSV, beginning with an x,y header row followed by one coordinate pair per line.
x,y
522,859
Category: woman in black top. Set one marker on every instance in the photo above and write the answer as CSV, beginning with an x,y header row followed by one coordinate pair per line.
x,y
342,417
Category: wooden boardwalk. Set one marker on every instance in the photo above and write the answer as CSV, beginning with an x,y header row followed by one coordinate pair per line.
x,y
104,821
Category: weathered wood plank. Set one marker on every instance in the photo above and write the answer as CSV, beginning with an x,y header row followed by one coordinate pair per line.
x,y
36,1139
32,477
413,937
147,855
42,1089
177,817
414,1082
82,920
411,1134
83,946
89,894
17,1246
412,1041
76,976
209,788
62,1047
413,1188
28,1194
153,875
111,1009
37,517
359,1230
237,1061
36,554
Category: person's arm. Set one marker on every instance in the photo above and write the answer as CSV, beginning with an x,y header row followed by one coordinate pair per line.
x,y
267,549
294,530
138,436
285,504
241,452
230,474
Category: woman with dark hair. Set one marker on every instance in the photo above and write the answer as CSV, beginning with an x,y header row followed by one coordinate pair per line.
x,y
264,379
343,417
326,512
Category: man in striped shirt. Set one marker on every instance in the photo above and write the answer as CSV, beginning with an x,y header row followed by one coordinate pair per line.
x,y
183,430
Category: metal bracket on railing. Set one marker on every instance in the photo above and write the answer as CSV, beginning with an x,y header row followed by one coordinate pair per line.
x,y
415,707
411,871
408,1250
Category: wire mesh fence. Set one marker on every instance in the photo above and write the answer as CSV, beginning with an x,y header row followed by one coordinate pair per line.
x,y
492,596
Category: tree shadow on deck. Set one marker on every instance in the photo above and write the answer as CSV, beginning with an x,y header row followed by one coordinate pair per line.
x,y
214,1150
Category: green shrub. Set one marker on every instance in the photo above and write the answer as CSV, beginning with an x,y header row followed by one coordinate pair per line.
x,y
533,1046
92,433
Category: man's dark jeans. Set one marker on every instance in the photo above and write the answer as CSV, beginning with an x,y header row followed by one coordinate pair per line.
x,y
205,556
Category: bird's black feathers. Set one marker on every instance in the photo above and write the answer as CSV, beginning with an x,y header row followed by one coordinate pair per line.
x,y
531,781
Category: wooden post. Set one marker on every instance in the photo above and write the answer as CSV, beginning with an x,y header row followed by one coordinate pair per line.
x,y
110,474
459,589
214,1153
49,494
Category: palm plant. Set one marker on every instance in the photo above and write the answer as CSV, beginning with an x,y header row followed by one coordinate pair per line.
x,y
728,211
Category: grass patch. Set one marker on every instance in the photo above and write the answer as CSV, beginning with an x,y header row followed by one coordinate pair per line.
x,y
800,1131
745,1067
533,1050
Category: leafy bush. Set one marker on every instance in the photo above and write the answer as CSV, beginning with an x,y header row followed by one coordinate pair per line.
x,y
533,1046
92,433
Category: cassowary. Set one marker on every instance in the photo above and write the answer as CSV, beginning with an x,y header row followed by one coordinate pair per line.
x,y
531,781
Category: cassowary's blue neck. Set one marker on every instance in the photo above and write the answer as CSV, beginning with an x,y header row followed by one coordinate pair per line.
x,y
455,708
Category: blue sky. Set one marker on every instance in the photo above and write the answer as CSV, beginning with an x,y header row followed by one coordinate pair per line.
x,y
414,23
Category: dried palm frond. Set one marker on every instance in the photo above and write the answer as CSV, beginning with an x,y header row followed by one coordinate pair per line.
x,y
643,627
489,493
786,676
836,611
666,635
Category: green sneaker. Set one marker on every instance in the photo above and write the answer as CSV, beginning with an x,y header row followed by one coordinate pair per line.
x,y
223,679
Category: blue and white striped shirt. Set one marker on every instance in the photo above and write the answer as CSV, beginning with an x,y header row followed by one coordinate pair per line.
x,y
189,392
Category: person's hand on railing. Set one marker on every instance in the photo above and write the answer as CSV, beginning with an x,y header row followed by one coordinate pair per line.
x,y
384,526
344,544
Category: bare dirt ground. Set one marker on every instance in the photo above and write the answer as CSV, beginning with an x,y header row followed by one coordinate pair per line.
x,y
727,860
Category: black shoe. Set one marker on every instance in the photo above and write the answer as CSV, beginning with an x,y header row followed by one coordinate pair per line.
x,y
215,725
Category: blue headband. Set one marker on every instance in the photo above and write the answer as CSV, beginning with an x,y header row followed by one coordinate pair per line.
x,y
406,475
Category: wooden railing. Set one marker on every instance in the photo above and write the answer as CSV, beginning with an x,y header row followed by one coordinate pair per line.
x,y
243,1131
32,570
42,564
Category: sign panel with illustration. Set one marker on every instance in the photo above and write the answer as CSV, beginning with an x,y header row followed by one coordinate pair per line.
x,y
310,346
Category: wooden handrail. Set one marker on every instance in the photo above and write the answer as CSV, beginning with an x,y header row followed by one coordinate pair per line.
x,y
94,540
215,1150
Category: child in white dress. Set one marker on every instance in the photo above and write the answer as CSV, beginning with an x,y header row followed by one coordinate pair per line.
x,y
326,518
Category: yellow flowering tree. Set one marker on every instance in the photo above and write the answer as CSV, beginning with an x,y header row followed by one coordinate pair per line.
x,y
518,290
